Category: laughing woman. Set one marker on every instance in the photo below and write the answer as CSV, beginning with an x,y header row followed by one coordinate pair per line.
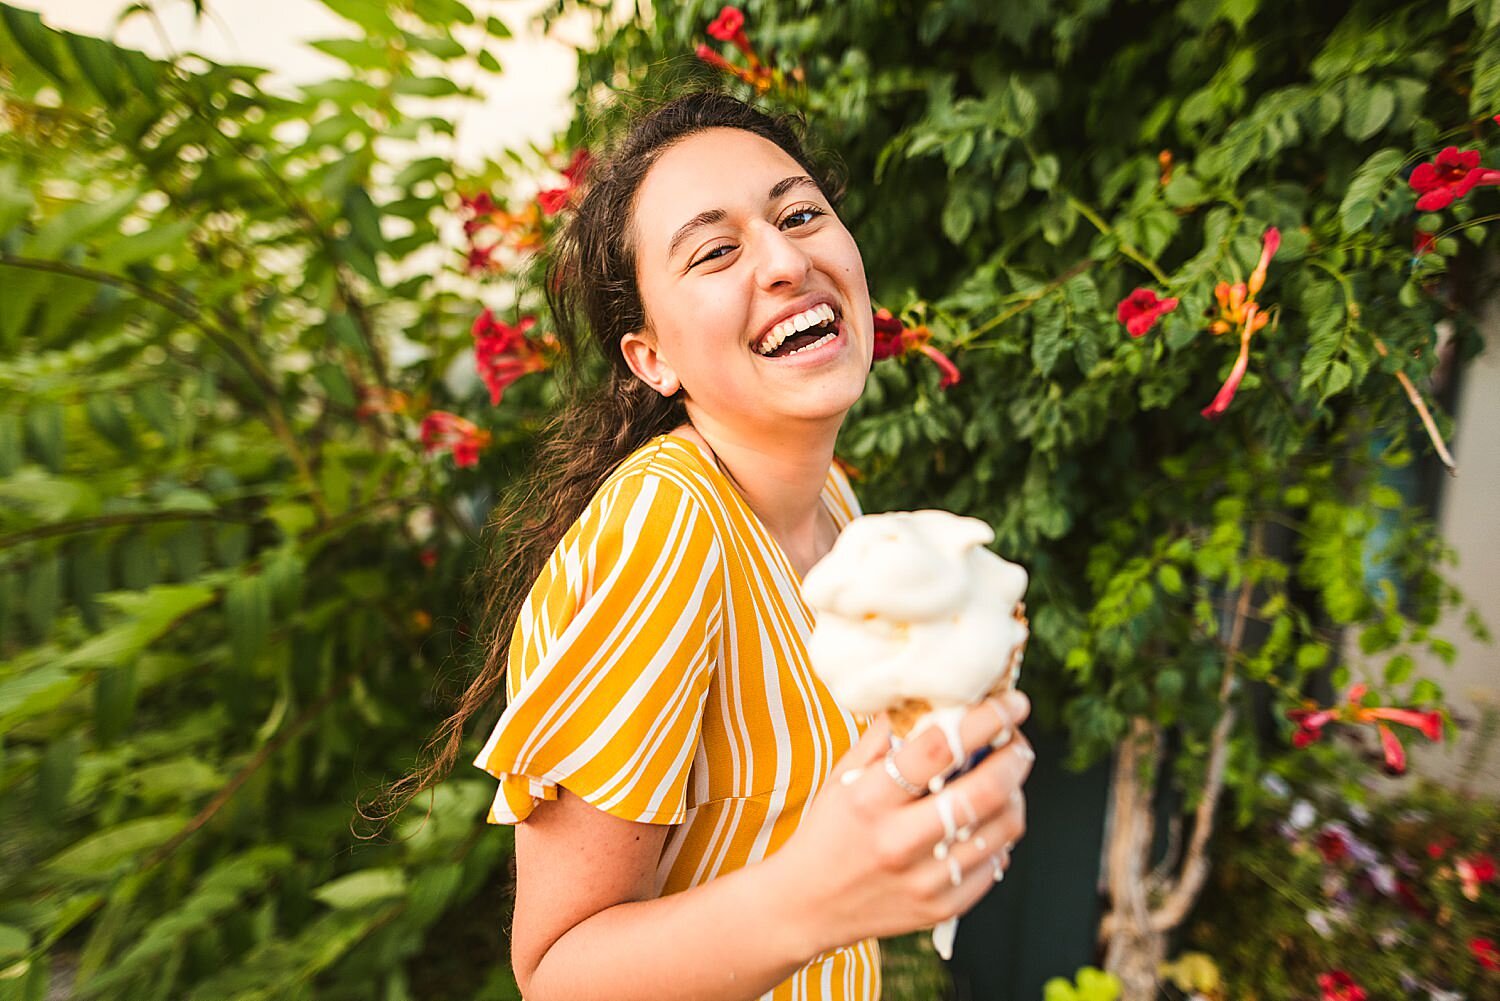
x,y
694,818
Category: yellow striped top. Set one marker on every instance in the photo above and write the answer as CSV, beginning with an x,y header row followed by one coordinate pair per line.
x,y
659,671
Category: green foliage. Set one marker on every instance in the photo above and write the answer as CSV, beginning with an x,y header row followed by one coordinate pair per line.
x,y
226,580
228,576
1010,189
1092,985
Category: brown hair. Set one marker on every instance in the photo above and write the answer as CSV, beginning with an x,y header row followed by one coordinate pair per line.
x,y
594,300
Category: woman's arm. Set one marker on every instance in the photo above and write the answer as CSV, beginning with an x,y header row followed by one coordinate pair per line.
x,y
588,924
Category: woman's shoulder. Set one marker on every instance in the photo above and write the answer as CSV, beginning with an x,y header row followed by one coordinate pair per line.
x,y
667,466
660,491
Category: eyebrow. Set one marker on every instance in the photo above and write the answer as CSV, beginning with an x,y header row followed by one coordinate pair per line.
x,y
712,216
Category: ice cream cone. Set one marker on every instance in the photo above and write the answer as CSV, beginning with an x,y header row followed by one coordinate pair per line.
x,y
905,715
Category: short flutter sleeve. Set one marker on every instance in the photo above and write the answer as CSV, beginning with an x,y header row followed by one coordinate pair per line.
x,y
612,657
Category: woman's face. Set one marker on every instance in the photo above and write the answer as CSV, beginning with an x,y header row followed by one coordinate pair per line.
x,y
733,238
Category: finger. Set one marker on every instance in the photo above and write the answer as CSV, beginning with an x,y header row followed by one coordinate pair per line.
x,y
988,790
1017,704
930,752
872,744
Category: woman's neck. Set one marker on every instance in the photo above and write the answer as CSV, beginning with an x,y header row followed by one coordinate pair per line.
x,y
782,481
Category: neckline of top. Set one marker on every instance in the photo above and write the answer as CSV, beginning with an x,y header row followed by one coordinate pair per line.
x,y
711,460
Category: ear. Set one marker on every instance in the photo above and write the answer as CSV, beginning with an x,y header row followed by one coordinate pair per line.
x,y
641,354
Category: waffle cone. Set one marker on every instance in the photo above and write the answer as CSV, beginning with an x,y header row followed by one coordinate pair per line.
x,y
905,714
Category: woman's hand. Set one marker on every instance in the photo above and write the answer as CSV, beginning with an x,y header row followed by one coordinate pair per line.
x,y
873,859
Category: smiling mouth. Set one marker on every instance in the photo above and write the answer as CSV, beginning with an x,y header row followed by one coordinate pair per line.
x,y
803,340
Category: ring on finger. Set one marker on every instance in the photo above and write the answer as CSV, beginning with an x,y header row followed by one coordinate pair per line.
x,y
906,785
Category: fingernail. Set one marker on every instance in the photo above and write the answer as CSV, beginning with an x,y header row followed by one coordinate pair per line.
x,y
1002,738
1025,752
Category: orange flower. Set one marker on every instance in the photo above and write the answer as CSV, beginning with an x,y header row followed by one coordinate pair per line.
x,y
1238,309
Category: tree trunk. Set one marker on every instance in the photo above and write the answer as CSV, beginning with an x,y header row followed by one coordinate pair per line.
x,y
1135,956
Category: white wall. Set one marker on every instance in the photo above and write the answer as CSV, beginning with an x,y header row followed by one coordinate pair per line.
x,y
528,103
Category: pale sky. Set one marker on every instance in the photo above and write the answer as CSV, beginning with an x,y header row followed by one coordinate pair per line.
x,y
528,102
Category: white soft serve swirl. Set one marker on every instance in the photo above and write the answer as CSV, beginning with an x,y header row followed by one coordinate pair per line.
x,y
910,605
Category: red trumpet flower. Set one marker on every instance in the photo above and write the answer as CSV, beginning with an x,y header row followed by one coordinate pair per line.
x,y
893,339
503,353
1140,310
1311,720
1449,177
443,431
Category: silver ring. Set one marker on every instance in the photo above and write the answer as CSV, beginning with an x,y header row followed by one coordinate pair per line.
x,y
907,786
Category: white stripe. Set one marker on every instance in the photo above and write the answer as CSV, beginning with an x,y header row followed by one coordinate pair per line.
x,y
587,677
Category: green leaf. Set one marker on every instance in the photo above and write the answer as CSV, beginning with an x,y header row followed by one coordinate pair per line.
x,y
150,614
101,65
35,40
1369,108
1045,171
958,216
13,942
360,888
247,610
100,854
496,28
1358,206
360,53
426,86
1170,578
44,433
368,14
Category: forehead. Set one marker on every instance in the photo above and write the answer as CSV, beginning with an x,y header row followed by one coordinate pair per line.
x,y
718,168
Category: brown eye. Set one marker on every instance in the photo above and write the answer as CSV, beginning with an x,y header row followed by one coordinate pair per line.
x,y
810,211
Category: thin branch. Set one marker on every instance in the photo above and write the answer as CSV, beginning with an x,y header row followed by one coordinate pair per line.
x,y
179,304
1351,307
1172,910
242,776
1129,250
1421,408
104,521
1026,303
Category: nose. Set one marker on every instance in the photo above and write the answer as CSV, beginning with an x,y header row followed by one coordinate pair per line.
x,y
779,258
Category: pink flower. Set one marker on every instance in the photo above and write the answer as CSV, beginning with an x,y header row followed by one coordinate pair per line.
x,y
503,353
443,431
1451,176
888,332
1140,310
1339,986
1333,844
480,259
578,167
1474,873
1311,720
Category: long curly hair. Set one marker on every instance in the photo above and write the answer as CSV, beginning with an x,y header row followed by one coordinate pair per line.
x,y
594,299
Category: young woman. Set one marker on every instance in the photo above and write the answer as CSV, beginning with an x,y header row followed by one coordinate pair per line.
x,y
696,818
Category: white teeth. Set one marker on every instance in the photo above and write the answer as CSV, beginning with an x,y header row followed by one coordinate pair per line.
x,y
815,344
822,313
